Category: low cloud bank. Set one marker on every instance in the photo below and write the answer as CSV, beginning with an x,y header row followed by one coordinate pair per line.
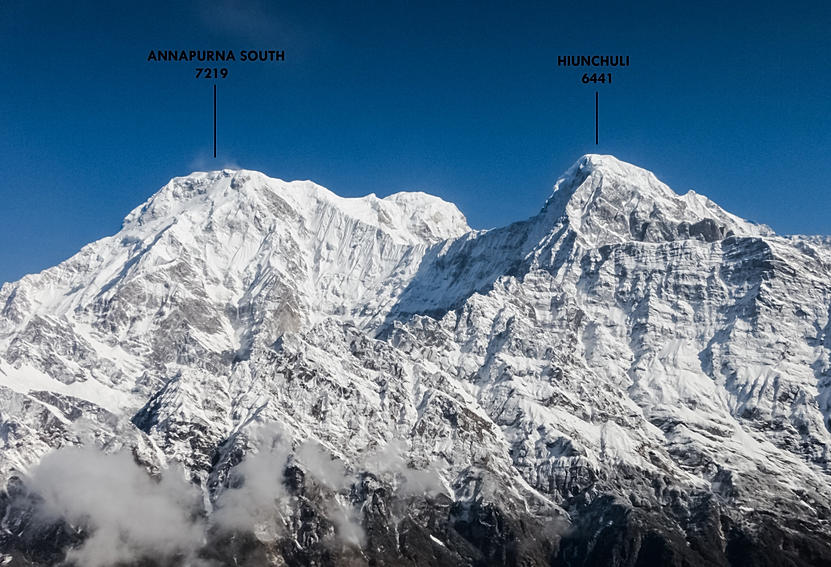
x,y
128,514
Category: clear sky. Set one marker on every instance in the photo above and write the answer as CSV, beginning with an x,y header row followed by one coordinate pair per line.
x,y
460,99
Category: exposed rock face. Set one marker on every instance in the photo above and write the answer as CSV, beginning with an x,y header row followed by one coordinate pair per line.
x,y
631,377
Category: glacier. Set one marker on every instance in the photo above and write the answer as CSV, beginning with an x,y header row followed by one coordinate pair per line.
x,y
630,377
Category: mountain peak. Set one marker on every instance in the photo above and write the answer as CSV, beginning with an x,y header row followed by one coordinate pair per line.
x,y
603,161
607,200
408,217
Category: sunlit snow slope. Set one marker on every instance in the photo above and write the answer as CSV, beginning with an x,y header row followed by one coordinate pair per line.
x,y
645,367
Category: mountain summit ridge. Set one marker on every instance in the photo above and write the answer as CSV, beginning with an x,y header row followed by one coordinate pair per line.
x,y
630,376
304,196
613,200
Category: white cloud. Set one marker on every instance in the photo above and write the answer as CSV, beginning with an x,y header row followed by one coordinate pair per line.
x,y
206,162
347,520
407,481
322,466
257,496
129,514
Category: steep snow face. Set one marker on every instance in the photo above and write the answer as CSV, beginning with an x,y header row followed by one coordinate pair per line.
x,y
238,226
411,218
607,201
670,309
209,265
599,201
627,353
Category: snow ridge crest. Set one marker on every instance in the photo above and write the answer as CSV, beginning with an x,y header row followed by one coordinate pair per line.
x,y
411,217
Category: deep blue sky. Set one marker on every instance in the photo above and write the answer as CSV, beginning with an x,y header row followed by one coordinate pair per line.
x,y
460,99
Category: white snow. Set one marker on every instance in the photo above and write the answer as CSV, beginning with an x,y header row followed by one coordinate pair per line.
x,y
600,335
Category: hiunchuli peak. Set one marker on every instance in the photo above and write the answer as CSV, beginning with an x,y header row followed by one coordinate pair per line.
x,y
606,200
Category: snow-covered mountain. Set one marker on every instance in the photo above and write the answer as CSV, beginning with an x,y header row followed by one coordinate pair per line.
x,y
630,377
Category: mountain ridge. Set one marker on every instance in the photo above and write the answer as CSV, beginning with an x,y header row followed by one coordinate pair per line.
x,y
627,355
